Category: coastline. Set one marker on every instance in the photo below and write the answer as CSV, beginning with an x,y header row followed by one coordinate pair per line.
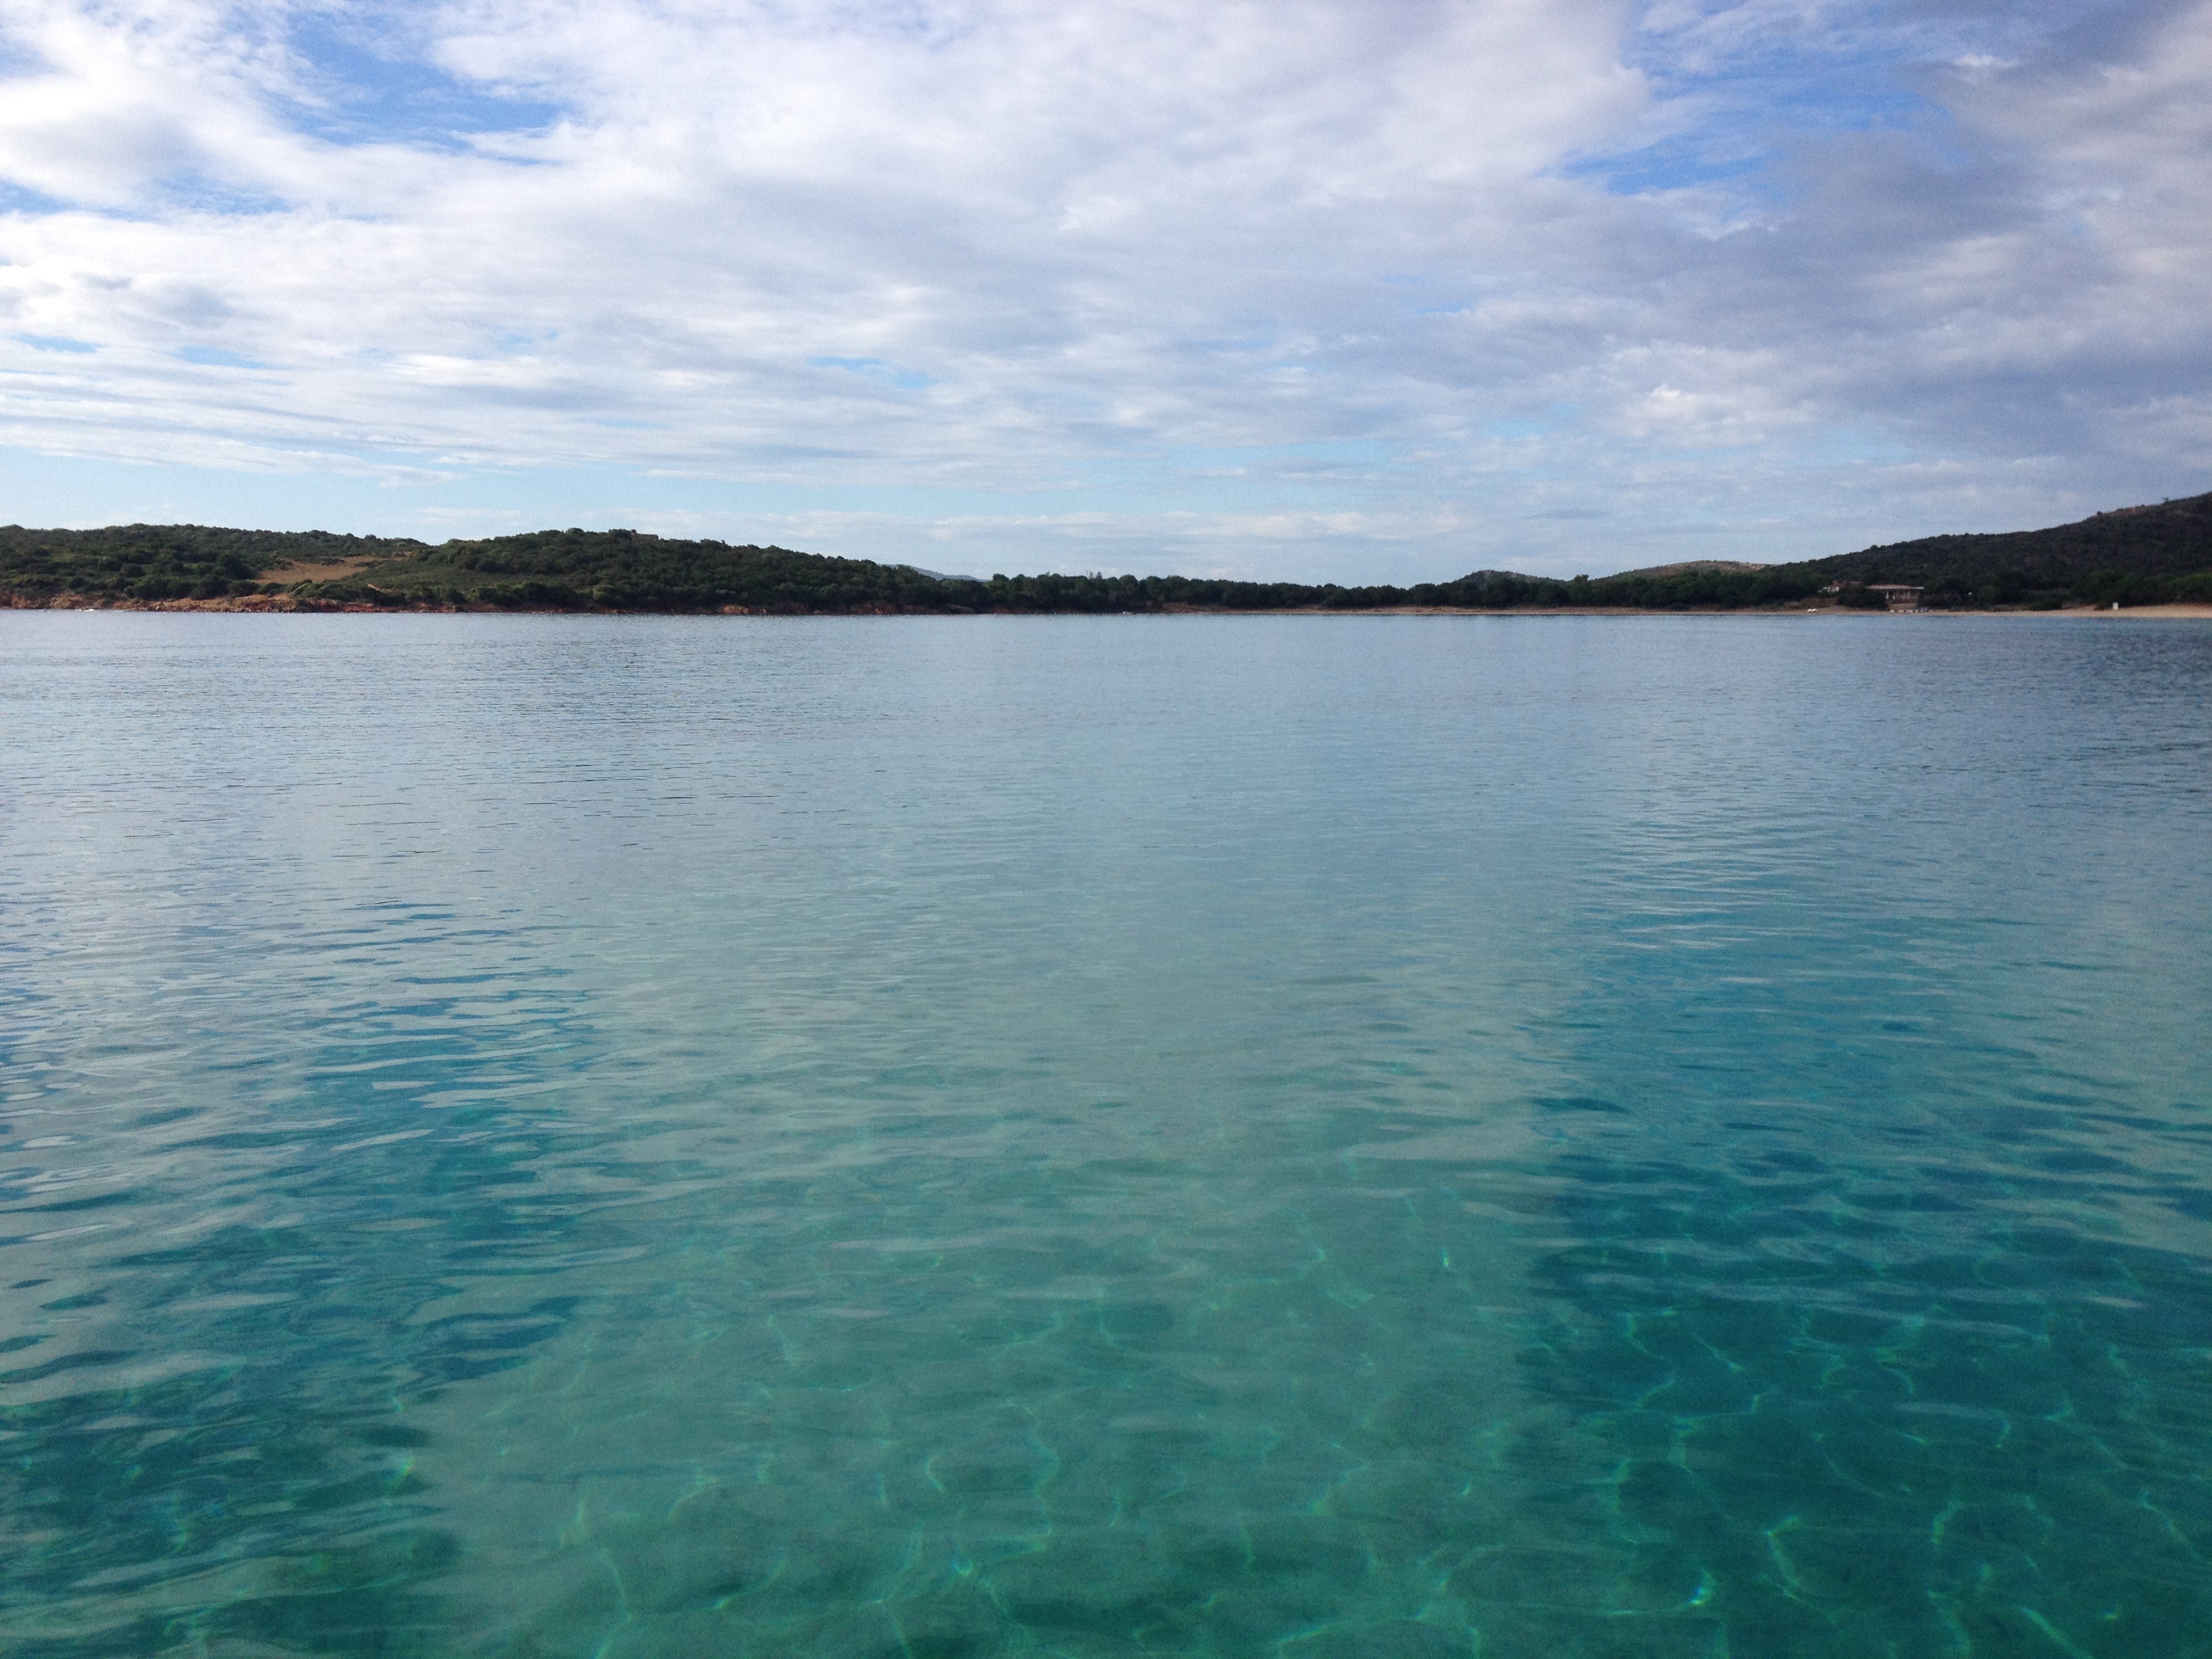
x,y
287,604
2157,561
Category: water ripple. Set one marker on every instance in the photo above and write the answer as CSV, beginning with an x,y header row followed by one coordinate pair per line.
x,y
1384,1136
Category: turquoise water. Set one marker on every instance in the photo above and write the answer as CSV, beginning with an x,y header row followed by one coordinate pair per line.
x,y
1391,1136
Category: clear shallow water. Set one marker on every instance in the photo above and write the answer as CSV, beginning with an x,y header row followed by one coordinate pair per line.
x,y
1317,1136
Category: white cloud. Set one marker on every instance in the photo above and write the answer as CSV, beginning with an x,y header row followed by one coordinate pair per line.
x,y
1101,276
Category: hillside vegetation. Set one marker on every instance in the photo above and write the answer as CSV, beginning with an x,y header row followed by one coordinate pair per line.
x,y
155,561
2135,555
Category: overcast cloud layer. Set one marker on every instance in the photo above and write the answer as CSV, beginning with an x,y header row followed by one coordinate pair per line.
x,y
1382,290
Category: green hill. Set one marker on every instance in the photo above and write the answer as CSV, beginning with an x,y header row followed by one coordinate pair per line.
x,y
625,570
154,562
2134,556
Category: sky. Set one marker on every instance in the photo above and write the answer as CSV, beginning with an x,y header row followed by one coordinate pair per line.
x,y
1376,291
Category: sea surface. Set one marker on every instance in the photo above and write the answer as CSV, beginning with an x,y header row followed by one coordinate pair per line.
x,y
1339,1137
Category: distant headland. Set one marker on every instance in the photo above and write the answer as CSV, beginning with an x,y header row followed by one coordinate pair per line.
x,y
2157,555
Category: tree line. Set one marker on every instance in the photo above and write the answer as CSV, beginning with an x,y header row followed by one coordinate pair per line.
x,y
2143,556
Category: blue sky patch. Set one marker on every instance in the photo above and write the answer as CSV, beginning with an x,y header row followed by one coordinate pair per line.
x,y
876,369
215,357
1748,82
375,85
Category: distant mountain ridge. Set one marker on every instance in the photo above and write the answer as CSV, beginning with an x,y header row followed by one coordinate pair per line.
x,y
2130,555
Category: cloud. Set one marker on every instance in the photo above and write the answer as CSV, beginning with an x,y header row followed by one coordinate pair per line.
x,y
1381,291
